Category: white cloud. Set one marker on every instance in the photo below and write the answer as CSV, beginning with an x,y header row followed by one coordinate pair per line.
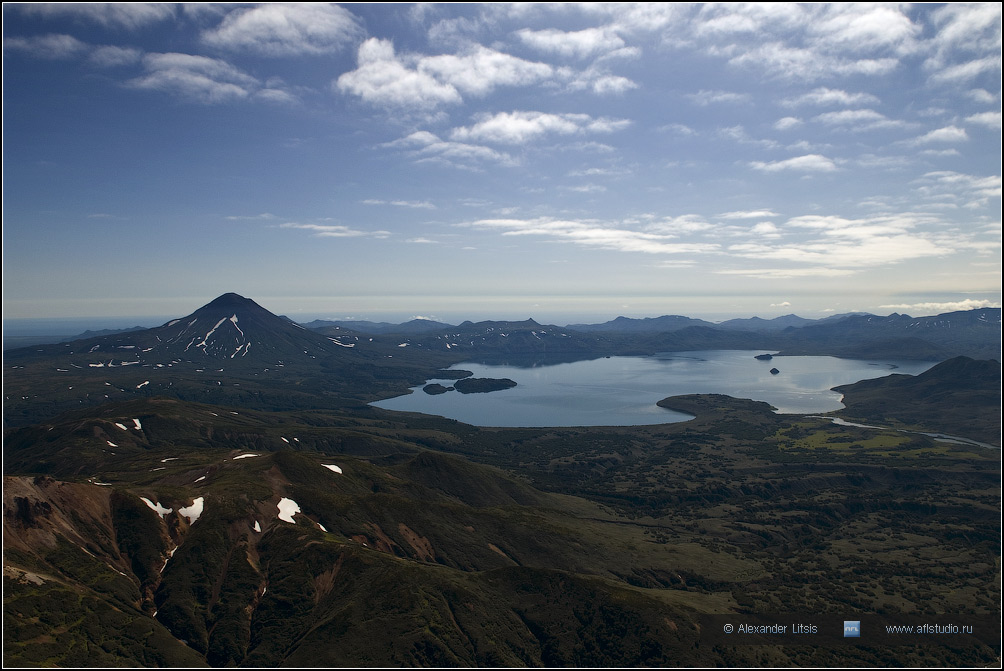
x,y
274,95
988,119
705,97
839,242
600,172
264,216
424,146
578,44
940,152
849,116
112,56
335,231
825,96
726,19
587,188
628,18
739,134
805,42
782,304
807,163
680,225
983,96
286,29
787,122
964,72
381,79
802,64
421,205
883,162
766,229
748,214
788,273
480,70
927,309
834,246
860,27
858,120
203,79
50,47
601,83
946,134
521,127
594,234
678,129
129,15
962,30
968,191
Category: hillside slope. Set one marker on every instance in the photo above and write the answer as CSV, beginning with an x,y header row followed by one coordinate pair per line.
x,y
960,397
363,539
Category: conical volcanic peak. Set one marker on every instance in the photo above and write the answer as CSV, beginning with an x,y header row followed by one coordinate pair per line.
x,y
230,327
232,301
234,327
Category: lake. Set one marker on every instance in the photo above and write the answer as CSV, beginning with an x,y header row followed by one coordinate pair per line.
x,y
623,391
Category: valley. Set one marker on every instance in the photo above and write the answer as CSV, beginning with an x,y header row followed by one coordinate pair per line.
x,y
224,495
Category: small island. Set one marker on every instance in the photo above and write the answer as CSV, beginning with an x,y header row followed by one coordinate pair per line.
x,y
764,357
774,371
435,388
481,385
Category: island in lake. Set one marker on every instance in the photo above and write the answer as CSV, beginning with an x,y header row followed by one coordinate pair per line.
x,y
436,388
480,385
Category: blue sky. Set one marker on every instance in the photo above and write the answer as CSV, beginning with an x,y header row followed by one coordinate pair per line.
x,y
471,161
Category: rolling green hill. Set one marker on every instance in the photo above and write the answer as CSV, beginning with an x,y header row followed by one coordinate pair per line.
x,y
961,397
419,541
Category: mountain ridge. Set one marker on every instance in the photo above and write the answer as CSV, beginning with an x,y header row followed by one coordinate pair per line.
x,y
233,351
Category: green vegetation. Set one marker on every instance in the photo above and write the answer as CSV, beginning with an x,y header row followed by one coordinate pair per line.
x,y
445,544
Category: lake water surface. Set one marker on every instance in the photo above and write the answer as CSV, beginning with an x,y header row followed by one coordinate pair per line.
x,y
623,391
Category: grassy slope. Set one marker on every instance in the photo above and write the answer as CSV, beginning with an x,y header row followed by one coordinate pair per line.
x,y
960,397
561,546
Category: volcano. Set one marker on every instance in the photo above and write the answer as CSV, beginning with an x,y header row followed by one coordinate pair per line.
x,y
230,329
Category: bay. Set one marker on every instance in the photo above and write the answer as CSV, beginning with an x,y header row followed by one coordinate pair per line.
x,y
623,391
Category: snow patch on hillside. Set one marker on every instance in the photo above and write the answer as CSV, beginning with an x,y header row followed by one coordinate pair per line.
x,y
194,511
234,320
332,467
156,507
204,342
287,508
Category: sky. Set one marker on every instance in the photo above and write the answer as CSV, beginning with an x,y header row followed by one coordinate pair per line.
x,y
563,162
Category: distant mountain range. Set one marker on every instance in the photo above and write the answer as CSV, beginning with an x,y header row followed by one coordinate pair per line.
x,y
233,350
362,326
862,335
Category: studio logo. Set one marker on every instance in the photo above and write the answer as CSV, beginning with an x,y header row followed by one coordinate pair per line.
x,y
852,628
